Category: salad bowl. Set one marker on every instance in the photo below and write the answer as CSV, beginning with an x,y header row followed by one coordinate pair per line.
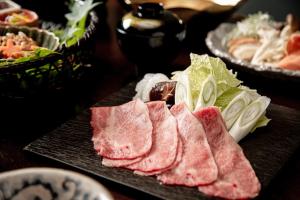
x,y
42,37
53,69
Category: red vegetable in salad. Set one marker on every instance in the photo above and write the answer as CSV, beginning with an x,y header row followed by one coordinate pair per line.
x,y
14,46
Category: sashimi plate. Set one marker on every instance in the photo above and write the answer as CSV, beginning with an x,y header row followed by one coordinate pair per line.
x,y
214,43
267,149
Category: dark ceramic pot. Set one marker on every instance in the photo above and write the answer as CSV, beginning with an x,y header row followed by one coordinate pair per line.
x,y
151,37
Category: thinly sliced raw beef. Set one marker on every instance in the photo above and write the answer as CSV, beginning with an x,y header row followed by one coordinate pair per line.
x,y
197,166
165,140
120,163
175,163
122,132
236,179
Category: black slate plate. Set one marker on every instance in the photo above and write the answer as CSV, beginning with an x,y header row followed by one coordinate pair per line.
x,y
267,149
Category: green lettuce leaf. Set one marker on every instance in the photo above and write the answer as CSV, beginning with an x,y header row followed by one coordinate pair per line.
x,y
76,24
201,67
223,100
38,53
208,82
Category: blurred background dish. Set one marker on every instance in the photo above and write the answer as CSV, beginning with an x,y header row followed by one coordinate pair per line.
x,y
47,71
8,6
200,16
50,183
198,5
188,8
215,43
278,9
42,38
22,17
151,36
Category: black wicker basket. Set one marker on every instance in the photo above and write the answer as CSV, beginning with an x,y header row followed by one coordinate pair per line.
x,y
52,72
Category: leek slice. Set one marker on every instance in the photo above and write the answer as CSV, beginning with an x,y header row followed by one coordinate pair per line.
x,y
249,118
208,93
183,90
233,102
234,109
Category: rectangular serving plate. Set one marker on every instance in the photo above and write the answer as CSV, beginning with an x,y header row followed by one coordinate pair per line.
x,y
267,149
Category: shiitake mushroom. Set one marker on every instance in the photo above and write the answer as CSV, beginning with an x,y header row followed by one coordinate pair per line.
x,y
164,91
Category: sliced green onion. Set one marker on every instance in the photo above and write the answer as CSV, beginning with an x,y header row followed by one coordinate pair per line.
x,y
208,93
249,118
233,110
183,90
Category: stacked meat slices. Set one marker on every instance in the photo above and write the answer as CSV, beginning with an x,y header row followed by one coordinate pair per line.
x,y
161,132
180,147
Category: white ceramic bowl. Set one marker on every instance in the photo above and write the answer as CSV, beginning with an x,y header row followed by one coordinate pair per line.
x,y
48,184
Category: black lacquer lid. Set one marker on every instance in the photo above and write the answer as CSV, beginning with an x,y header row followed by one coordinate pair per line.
x,y
150,20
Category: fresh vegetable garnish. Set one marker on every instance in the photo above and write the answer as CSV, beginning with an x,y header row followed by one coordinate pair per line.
x,y
233,102
183,89
200,69
76,24
252,116
38,53
209,91
207,82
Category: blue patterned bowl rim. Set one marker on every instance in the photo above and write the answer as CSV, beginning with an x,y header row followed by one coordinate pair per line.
x,y
105,194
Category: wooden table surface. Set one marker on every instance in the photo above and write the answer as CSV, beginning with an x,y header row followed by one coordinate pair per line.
x,y
24,120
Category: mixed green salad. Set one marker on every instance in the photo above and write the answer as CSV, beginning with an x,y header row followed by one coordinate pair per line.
x,y
68,35
53,74
76,25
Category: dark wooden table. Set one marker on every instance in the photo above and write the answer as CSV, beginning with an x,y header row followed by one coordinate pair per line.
x,y
24,120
